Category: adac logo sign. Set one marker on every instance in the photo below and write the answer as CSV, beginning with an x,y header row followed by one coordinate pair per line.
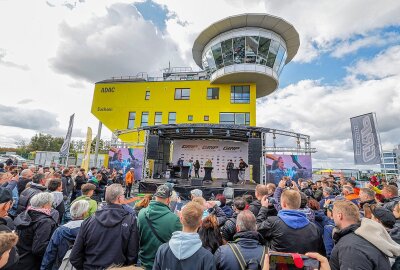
x,y
107,90
231,148
185,146
209,147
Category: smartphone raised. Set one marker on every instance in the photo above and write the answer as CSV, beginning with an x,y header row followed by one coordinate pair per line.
x,y
291,261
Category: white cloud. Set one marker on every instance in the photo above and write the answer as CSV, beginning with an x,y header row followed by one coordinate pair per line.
x,y
322,24
348,47
120,43
323,111
387,63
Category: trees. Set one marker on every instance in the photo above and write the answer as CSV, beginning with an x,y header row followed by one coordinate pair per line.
x,y
45,142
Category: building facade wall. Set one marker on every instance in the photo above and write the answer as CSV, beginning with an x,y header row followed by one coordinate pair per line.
x,y
112,103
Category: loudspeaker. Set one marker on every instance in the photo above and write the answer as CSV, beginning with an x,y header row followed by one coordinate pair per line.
x,y
152,147
255,154
196,182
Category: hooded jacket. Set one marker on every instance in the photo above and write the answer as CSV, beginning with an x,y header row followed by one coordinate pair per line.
x,y
164,223
62,239
27,194
255,207
34,230
58,204
290,231
67,185
108,237
250,244
183,251
391,203
353,251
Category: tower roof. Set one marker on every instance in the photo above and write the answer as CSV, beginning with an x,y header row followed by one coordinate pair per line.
x,y
265,21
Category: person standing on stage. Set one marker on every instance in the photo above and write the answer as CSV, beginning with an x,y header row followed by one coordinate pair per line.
x,y
190,164
229,167
242,170
180,162
129,180
196,169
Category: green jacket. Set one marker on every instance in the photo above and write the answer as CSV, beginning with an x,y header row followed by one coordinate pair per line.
x,y
164,222
92,204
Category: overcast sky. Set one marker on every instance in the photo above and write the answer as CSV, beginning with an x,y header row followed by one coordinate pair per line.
x,y
52,52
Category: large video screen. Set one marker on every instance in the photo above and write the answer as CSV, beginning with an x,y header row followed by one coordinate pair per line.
x,y
294,166
126,158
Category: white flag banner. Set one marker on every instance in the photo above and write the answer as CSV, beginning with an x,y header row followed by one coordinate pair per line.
x,y
365,140
64,151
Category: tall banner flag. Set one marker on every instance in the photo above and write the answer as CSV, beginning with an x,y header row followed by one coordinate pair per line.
x,y
365,140
64,151
86,153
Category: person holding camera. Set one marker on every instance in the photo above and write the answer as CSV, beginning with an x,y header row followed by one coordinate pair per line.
x,y
290,230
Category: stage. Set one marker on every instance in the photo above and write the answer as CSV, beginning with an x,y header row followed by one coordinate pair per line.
x,y
183,187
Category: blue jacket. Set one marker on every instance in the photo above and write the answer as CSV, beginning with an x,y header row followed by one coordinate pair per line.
x,y
62,239
183,251
327,237
227,210
107,237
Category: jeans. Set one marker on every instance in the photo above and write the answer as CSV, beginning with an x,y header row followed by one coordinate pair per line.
x,y
128,190
241,175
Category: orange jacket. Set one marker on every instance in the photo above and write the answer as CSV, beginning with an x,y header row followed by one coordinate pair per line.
x,y
351,197
129,178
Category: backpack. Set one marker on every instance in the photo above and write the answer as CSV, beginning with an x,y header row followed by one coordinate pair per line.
x,y
65,263
252,264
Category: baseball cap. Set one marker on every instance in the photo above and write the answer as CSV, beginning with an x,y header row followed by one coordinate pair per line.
x,y
86,187
196,193
5,195
163,191
385,216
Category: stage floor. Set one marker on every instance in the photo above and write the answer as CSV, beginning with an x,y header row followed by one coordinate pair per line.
x,y
183,187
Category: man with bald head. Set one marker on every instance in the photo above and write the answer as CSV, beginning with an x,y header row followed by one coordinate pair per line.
x,y
290,231
25,177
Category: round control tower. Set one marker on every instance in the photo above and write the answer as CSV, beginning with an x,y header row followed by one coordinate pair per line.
x,y
247,48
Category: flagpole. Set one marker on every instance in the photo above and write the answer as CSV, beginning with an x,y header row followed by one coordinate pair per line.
x,y
380,144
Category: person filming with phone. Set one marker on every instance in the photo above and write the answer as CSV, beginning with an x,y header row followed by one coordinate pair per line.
x,y
290,230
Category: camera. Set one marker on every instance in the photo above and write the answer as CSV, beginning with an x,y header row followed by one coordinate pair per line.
x,y
272,200
288,183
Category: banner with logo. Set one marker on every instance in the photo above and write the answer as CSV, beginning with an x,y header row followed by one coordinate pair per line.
x,y
122,159
294,166
64,151
365,140
219,152
86,151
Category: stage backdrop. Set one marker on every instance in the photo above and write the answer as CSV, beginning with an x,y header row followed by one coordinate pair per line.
x,y
125,158
294,166
220,152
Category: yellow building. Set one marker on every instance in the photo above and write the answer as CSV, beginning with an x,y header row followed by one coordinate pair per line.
x,y
241,58
127,105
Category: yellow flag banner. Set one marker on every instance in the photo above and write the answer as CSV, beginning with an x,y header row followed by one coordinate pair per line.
x,y
86,153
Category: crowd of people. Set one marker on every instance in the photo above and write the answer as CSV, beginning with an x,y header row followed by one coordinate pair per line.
x,y
65,218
